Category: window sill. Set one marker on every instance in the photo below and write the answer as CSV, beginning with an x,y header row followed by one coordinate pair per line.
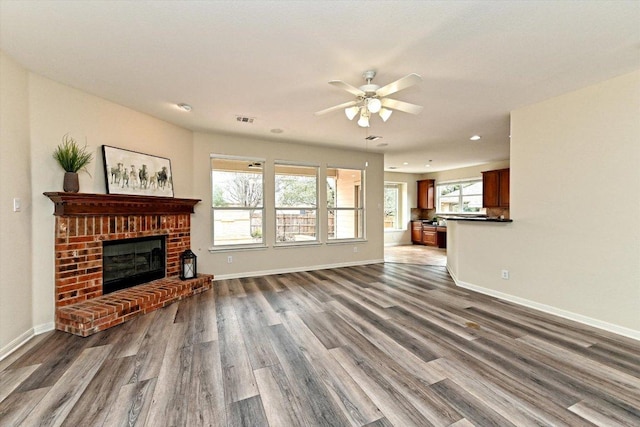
x,y
296,244
238,248
345,241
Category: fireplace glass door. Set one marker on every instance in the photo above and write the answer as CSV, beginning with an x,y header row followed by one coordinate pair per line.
x,y
131,262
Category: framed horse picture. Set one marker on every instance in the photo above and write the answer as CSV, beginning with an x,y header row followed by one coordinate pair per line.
x,y
130,172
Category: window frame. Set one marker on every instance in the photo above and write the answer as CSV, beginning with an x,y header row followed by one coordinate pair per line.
x,y
401,205
277,208
358,209
461,196
249,245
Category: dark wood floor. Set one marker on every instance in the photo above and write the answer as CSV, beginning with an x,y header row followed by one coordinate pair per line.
x,y
380,345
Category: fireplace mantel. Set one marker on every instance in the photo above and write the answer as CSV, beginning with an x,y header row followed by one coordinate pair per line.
x,y
88,204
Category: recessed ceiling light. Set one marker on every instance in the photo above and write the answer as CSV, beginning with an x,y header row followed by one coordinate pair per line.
x,y
475,137
427,166
185,107
405,163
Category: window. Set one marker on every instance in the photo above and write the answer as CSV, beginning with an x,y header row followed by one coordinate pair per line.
x,y
392,206
459,197
237,201
296,199
345,189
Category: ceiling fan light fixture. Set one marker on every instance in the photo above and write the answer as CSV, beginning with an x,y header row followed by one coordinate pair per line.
x,y
385,114
374,105
363,121
351,112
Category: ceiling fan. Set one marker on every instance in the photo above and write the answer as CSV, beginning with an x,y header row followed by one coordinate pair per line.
x,y
371,98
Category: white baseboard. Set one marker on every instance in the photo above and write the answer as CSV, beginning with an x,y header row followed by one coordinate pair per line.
x,y
294,270
589,321
24,338
18,342
45,327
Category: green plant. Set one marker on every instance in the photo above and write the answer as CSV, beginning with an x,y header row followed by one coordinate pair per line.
x,y
71,156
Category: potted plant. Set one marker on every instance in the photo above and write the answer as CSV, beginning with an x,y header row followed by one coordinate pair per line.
x,y
72,158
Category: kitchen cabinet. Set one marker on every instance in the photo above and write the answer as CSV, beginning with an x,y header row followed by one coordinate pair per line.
x,y
429,236
495,188
416,232
426,194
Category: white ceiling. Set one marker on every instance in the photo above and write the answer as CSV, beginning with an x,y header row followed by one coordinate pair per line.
x,y
272,60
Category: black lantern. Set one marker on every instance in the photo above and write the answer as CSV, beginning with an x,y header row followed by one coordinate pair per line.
x,y
188,261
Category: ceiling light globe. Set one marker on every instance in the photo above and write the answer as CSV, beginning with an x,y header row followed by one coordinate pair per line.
x,y
351,112
374,105
363,121
385,114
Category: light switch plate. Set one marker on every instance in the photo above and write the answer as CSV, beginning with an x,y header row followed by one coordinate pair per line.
x,y
17,204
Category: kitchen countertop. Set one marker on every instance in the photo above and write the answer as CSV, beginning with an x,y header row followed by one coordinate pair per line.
x,y
477,219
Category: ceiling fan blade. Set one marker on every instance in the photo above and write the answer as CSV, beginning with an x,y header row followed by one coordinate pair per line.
x,y
399,84
394,104
335,107
347,87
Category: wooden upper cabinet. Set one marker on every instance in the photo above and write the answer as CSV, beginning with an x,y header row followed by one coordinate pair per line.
x,y
426,194
495,188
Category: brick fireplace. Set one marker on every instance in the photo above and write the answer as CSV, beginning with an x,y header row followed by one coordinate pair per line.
x,y
83,222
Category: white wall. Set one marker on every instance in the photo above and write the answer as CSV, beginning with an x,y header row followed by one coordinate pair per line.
x,y
55,110
260,261
465,173
15,227
574,245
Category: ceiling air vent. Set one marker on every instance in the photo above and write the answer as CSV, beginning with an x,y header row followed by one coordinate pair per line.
x,y
373,137
244,119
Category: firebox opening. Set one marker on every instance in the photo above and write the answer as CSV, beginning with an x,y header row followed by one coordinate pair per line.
x,y
131,262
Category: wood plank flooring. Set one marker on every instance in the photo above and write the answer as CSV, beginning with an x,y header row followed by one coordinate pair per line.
x,y
389,344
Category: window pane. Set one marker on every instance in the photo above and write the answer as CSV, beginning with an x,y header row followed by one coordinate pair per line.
x,y
296,186
391,206
460,197
345,224
344,202
236,183
295,225
237,201
342,187
237,226
471,203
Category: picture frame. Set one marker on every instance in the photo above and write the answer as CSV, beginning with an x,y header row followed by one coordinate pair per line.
x,y
130,172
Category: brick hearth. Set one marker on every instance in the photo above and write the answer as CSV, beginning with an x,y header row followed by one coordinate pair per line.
x,y
83,222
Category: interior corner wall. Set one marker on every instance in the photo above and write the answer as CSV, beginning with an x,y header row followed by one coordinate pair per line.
x,y
57,109
254,262
15,227
574,245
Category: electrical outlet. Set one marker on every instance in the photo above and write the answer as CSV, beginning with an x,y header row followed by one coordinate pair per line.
x,y
229,259
505,274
